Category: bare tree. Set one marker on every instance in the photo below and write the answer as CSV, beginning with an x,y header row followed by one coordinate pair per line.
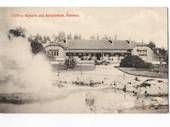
x,y
69,36
61,36
76,37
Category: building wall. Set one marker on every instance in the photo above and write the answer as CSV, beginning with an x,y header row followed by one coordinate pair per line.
x,y
83,55
143,52
59,53
55,53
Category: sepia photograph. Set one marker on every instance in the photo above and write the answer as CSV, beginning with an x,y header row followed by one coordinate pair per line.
x,y
84,60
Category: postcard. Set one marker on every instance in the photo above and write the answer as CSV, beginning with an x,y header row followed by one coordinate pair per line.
x,y
84,60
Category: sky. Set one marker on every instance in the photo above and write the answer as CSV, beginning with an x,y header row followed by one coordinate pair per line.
x,y
138,24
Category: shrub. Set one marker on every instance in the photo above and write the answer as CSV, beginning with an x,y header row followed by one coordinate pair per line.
x,y
134,61
36,47
70,63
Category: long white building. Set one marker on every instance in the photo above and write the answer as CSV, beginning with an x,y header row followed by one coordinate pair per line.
x,y
111,50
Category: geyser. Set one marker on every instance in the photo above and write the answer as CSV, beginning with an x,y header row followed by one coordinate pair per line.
x,y
20,70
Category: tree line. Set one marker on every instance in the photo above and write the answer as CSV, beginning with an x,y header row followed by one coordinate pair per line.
x,y
37,41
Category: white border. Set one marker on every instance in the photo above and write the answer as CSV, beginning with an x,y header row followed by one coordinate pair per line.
x,y
83,3
85,120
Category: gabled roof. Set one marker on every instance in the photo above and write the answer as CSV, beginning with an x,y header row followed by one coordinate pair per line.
x,y
98,44
134,44
61,44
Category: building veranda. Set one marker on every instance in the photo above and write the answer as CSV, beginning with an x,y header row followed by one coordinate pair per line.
x,y
111,51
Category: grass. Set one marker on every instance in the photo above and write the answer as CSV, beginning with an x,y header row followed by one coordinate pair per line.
x,y
78,67
143,72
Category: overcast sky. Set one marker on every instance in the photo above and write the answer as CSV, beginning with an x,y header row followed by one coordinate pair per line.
x,y
147,24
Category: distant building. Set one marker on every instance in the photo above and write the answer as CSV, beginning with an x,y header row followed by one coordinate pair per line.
x,y
108,50
144,52
56,52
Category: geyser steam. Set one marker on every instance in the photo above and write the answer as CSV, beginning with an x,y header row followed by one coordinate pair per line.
x,y
20,70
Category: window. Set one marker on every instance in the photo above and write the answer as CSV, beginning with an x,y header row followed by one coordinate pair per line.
x,y
141,51
55,52
142,54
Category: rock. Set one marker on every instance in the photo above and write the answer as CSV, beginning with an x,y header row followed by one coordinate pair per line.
x,y
89,99
157,99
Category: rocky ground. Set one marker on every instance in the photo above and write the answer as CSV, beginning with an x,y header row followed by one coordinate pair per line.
x,y
103,90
